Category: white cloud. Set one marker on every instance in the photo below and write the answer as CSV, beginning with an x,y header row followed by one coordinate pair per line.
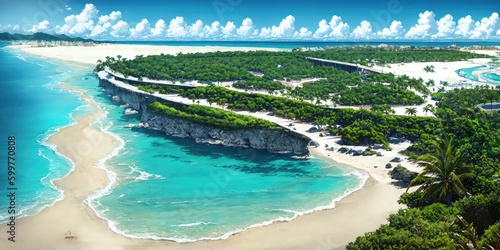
x,y
228,31
99,30
446,27
486,27
10,28
177,27
197,29
303,33
396,30
465,26
112,17
105,22
498,32
141,30
336,28
159,28
213,30
246,29
285,29
425,28
79,24
67,7
120,30
43,26
363,31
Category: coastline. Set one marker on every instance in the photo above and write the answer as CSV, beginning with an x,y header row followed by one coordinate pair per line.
x,y
361,211
90,55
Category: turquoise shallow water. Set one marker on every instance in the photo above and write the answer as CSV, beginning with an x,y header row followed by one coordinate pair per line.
x,y
162,187
33,108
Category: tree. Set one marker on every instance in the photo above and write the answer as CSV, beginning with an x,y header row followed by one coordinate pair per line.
x,y
491,238
444,171
411,111
428,108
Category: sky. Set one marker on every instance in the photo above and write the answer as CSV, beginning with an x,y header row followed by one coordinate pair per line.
x,y
316,20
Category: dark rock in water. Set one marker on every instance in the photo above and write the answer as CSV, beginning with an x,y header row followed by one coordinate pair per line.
x,y
400,173
380,154
388,165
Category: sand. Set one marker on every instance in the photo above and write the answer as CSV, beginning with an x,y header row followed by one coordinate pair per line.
x,y
362,211
90,54
358,213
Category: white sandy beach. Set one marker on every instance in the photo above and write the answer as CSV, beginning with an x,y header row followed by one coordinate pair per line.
x,y
90,55
360,212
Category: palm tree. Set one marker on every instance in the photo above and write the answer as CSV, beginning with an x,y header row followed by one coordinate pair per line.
x,y
444,171
428,108
411,111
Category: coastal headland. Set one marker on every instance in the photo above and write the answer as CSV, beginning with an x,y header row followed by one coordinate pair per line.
x,y
360,212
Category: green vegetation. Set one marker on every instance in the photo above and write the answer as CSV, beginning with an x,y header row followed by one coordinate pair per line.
x,y
267,70
444,171
212,117
467,167
429,69
358,126
369,55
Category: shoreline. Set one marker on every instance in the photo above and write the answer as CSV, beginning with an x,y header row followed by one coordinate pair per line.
x,y
315,230
86,178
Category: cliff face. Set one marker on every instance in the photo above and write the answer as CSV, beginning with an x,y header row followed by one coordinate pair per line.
x,y
282,141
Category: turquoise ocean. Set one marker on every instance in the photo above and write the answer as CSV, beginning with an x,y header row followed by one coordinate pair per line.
x,y
161,187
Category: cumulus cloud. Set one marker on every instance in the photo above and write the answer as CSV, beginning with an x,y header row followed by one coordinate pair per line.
x,y
446,27
246,29
112,17
396,30
303,33
284,30
104,23
228,30
81,23
336,28
363,31
177,27
465,26
43,26
486,27
159,29
120,30
425,27
197,29
141,30
214,29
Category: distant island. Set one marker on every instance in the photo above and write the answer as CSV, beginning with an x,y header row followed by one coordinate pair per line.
x,y
40,36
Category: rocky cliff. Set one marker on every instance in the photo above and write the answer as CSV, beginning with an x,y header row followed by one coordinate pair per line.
x,y
273,140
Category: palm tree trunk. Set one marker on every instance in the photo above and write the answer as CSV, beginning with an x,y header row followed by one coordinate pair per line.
x,y
448,198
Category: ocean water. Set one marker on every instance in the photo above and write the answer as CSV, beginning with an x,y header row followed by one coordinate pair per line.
x,y
491,77
177,189
161,187
32,108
